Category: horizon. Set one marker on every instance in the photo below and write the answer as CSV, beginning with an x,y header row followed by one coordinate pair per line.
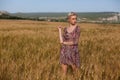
x,y
63,12
68,12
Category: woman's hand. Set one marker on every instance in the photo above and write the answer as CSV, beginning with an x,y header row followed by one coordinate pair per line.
x,y
61,42
59,27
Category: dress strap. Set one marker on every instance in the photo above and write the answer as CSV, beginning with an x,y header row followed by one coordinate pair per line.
x,y
76,29
65,29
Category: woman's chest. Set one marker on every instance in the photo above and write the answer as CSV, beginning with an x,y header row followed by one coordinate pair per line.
x,y
69,35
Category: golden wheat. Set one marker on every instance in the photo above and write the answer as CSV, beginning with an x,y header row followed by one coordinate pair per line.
x,y
29,50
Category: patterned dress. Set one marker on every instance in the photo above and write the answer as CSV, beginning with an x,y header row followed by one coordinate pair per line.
x,y
69,54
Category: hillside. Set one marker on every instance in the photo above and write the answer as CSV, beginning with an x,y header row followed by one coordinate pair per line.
x,y
89,15
7,15
94,17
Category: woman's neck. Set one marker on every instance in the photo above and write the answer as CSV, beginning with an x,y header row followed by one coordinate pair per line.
x,y
73,25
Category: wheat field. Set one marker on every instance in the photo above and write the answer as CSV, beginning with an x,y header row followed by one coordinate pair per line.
x,y
29,50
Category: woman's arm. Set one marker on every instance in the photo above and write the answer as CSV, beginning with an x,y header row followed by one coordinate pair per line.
x,y
68,43
60,34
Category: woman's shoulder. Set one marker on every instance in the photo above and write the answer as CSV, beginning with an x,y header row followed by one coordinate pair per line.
x,y
65,28
77,28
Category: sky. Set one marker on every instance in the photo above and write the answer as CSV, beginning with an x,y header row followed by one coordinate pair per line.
x,y
14,6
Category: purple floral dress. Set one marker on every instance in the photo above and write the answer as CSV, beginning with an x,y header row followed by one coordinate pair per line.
x,y
69,54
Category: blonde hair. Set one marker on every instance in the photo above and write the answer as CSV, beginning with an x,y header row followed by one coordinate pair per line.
x,y
71,14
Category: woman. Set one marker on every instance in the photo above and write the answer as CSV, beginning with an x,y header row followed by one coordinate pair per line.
x,y
69,54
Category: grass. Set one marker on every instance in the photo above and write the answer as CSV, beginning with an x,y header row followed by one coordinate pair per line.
x,y
29,50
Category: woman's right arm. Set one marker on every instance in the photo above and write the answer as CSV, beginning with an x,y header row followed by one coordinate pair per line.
x,y
60,34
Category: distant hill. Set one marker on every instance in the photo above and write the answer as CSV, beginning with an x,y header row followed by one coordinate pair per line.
x,y
42,14
98,17
88,15
4,14
7,15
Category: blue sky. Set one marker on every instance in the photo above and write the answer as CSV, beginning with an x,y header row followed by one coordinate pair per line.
x,y
60,5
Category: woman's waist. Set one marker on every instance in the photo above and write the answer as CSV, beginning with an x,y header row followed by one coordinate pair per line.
x,y
76,45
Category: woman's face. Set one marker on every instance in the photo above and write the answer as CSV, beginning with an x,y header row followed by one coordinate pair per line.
x,y
73,20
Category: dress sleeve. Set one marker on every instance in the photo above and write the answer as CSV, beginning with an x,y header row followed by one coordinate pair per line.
x,y
77,35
